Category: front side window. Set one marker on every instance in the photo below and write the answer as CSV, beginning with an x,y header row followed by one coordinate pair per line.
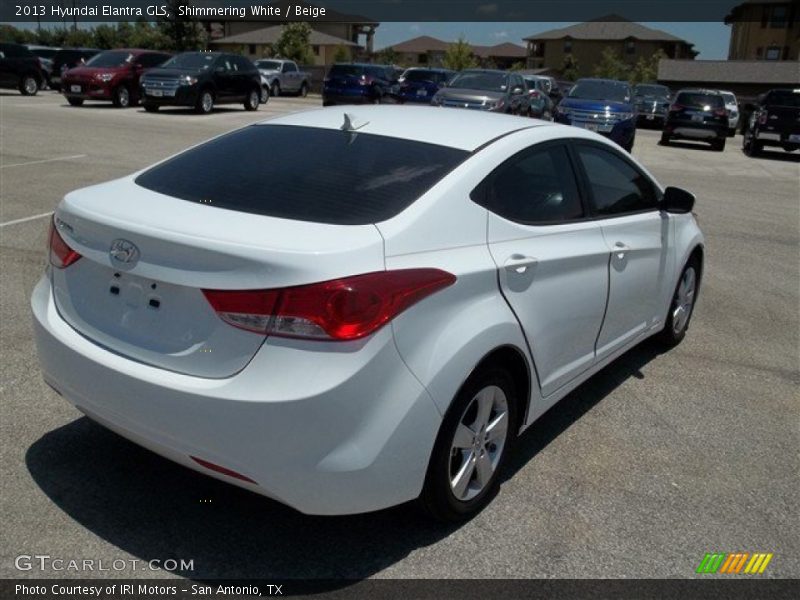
x,y
535,187
348,179
616,186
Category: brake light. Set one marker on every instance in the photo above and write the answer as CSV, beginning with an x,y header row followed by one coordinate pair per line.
x,y
337,310
534,94
762,118
721,112
676,107
61,255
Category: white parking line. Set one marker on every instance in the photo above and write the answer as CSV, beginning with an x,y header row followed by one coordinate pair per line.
x,y
38,162
25,219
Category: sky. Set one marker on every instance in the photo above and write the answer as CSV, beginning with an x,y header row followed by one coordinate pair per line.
x,y
710,39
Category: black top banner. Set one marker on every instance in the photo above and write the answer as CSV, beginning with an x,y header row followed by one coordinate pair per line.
x,y
377,11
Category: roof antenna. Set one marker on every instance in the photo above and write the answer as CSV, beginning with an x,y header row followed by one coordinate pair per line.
x,y
350,123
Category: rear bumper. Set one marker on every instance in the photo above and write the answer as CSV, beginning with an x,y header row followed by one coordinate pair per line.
x,y
694,130
778,138
311,428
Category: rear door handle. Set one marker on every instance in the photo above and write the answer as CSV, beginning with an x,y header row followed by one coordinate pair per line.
x,y
620,249
519,263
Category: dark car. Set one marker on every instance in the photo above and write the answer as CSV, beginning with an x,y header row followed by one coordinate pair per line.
x,y
420,85
20,69
652,103
697,115
202,80
357,83
66,59
540,103
112,75
775,122
45,54
601,105
485,89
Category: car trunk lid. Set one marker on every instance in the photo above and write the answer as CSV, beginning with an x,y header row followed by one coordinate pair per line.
x,y
146,258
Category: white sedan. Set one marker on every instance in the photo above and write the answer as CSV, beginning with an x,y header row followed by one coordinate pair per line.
x,y
345,312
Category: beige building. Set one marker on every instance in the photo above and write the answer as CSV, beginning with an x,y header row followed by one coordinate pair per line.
x,y
586,42
427,51
765,30
259,43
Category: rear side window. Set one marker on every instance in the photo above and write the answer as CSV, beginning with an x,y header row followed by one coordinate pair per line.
x,y
616,186
534,188
305,173
345,71
699,100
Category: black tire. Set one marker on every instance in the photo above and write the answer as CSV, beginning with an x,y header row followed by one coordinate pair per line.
x,y
75,101
377,97
264,94
731,132
275,91
253,100
29,85
664,139
303,90
438,499
718,144
151,108
121,98
205,102
669,336
629,146
751,146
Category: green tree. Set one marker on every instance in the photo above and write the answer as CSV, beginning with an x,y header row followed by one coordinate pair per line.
x,y
517,66
294,43
341,54
459,56
79,37
646,69
611,66
569,68
9,33
105,37
387,56
185,33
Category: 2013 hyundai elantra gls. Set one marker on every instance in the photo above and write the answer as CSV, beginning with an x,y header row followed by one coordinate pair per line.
x,y
345,312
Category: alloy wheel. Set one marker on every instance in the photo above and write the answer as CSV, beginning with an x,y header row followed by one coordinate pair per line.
x,y
478,443
30,85
124,97
684,300
207,102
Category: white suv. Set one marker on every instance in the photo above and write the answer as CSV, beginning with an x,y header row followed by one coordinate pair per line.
x,y
370,314
732,106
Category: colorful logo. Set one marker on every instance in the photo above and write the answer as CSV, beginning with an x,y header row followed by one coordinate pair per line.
x,y
733,562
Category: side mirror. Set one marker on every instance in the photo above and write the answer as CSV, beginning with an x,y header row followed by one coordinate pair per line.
x,y
678,201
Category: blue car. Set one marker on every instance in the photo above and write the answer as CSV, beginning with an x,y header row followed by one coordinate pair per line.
x,y
357,83
420,85
601,105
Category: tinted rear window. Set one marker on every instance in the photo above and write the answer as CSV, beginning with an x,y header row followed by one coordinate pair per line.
x,y
783,98
305,173
699,100
345,70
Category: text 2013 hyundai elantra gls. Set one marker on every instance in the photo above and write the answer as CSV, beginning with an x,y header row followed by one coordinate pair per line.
x,y
348,311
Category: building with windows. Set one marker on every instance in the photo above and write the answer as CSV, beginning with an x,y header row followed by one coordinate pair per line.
x,y
427,51
585,42
765,30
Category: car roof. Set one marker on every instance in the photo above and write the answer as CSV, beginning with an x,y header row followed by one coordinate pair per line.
x,y
602,80
452,127
699,91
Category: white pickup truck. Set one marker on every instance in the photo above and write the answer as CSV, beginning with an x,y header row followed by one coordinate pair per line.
x,y
283,76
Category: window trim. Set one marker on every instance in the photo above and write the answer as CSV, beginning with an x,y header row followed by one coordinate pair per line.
x,y
575,143
479,193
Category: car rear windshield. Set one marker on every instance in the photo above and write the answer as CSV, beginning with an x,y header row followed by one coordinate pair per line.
x,y
420,75
269,65
345,71
699,100
480,80
305,173
784,98
110,59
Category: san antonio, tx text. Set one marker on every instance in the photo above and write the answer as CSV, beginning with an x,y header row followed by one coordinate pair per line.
x,y
149,591
242,12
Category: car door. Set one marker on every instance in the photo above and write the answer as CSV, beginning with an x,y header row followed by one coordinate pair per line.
x,y
625,202
225,79
7,76
290,73
552,262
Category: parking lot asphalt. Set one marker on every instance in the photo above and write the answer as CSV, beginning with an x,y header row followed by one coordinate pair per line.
x,y
650,464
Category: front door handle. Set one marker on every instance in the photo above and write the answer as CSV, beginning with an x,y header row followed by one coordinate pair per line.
x,y
620,249
519,263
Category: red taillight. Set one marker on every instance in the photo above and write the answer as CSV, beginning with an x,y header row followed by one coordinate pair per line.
x,y
534,94
721,112
61,255
762,118
224,470
342,309
676,107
